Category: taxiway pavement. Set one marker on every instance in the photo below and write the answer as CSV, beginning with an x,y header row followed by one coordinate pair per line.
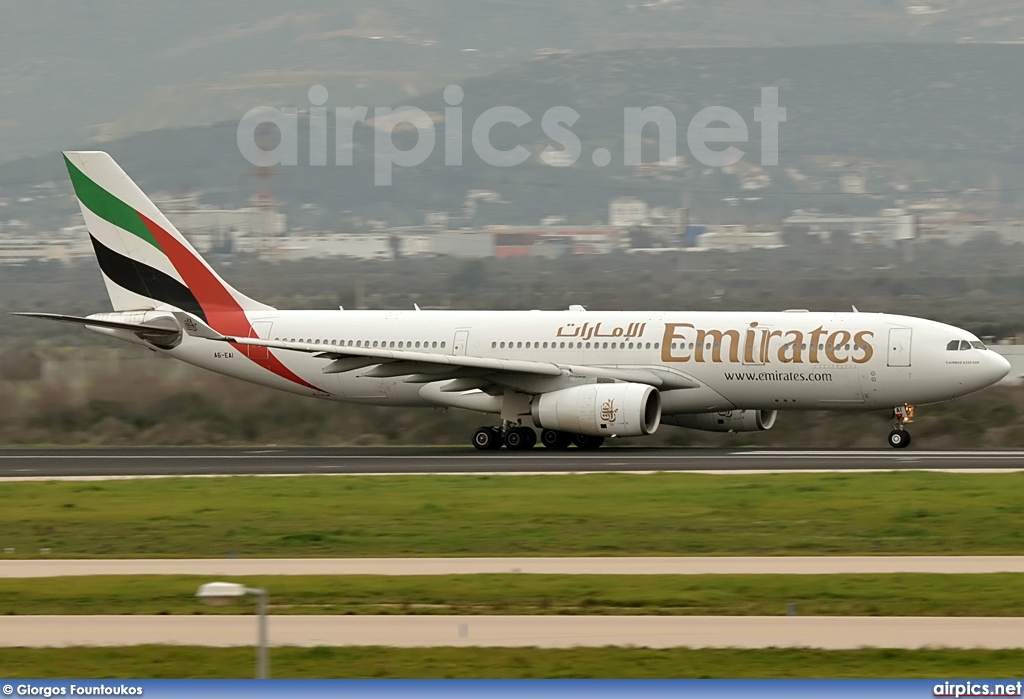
x,y
520,631
640,565
44,463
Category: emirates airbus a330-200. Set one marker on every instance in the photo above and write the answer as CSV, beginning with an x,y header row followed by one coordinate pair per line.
x,y
564,378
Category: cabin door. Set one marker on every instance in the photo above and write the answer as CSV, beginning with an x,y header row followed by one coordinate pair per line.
x,y
899,346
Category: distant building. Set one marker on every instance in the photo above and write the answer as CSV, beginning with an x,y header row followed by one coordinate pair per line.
x,y
626,212
554,241
557,158
69,244
320,245
437,219
853,184
890,227
736,238
199,223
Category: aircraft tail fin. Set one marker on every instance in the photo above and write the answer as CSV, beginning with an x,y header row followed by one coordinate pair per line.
x,y
146,262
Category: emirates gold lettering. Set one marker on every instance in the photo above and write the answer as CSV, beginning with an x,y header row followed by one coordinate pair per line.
x,y
859,340
791,351
749,343
672,333
717,340
684,342
815,340
837,341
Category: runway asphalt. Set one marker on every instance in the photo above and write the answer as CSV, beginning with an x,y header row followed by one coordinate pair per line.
x,y
26,463
519,631
582,565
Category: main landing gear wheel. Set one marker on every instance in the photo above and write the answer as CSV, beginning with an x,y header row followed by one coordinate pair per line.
x,y
586,442
487,439
520,438
553,439
899,439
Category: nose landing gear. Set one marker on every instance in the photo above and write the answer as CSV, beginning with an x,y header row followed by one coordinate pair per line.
x,y
902,415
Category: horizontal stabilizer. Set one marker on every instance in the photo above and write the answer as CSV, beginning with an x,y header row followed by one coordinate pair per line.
x,y
146,328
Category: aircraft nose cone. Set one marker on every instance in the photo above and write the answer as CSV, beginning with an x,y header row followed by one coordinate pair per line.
x,y
997,366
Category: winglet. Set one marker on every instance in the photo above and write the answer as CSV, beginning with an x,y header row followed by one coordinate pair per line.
x,y
196,327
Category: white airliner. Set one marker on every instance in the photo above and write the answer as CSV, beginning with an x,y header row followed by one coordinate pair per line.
x,y
570,377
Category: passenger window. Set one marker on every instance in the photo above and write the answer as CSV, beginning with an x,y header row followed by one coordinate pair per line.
x,y
442,345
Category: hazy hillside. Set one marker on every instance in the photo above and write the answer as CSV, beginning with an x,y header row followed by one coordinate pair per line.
x,y
949,115
71,72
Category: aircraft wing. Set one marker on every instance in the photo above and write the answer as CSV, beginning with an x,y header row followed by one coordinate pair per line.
x,y
425,367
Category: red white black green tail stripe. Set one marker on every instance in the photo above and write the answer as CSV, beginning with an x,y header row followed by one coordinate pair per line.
x,y
146,263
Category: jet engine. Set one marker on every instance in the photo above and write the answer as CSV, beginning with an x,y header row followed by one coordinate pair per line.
x,y
728,421
600,410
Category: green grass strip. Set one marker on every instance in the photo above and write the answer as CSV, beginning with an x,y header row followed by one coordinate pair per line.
x,y
150,662
604,514
829,595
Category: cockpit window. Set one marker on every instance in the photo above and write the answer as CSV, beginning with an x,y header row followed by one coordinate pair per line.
x,y
953,345
978,345
964,345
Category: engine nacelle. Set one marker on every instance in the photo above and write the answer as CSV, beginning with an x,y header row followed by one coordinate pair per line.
x,y
728,421
600,409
